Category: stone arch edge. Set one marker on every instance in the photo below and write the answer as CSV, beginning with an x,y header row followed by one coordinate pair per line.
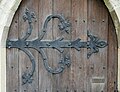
x,y
7,11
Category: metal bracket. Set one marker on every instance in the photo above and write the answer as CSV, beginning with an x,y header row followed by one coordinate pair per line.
x,y
38,44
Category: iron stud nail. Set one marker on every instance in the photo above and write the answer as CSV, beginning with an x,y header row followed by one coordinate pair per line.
x,y
93,20
44,59
9,43
103,20
84,21
75,90
103,67
91,67
66,91
12,67
27,43
9,47
69,44
80,67
44,30
48,44
61,51
75,20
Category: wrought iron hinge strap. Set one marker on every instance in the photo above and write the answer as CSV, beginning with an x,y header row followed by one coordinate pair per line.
x,y
93,45
57,44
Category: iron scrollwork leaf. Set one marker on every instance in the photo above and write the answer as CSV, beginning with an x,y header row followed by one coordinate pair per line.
x,y
94,44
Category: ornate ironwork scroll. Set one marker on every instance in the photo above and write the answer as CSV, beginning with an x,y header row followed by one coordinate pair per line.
x,y
93,44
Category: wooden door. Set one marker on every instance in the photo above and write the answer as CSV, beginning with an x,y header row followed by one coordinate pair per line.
x,y
45,62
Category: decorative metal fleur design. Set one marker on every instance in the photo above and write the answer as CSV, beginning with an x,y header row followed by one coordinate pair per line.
x,y
59,44
64,25
29,16
94,44
27,78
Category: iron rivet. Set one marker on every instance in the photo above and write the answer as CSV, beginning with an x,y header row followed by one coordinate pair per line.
x,y
84,21
67,57
9,47
44,59
80,67
29,32
61,51
47,44
15,21
60,61
35,20
68,61
103,20
88,43
27,43
93,20
62,67
75,91
9,43
44,30
75,20
92,67
69,44
103,67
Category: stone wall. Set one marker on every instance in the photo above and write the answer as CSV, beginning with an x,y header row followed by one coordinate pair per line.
x,y
7,11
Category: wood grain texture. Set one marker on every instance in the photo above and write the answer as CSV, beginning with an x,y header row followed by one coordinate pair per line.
x,y
96,74
98,25
12,59
112,63
61,7
25,63
45,81
78,58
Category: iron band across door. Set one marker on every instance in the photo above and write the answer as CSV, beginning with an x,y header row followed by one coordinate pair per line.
x,y
93,44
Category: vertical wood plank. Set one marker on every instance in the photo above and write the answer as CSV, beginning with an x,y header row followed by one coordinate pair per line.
x,y
12,59
24,61
112,60
97,64
45,82
78,58
63,8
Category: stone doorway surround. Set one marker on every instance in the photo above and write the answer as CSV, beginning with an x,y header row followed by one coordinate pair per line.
x,y
7,11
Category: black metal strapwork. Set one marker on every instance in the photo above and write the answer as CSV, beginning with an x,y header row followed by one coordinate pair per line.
x,y
93,44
